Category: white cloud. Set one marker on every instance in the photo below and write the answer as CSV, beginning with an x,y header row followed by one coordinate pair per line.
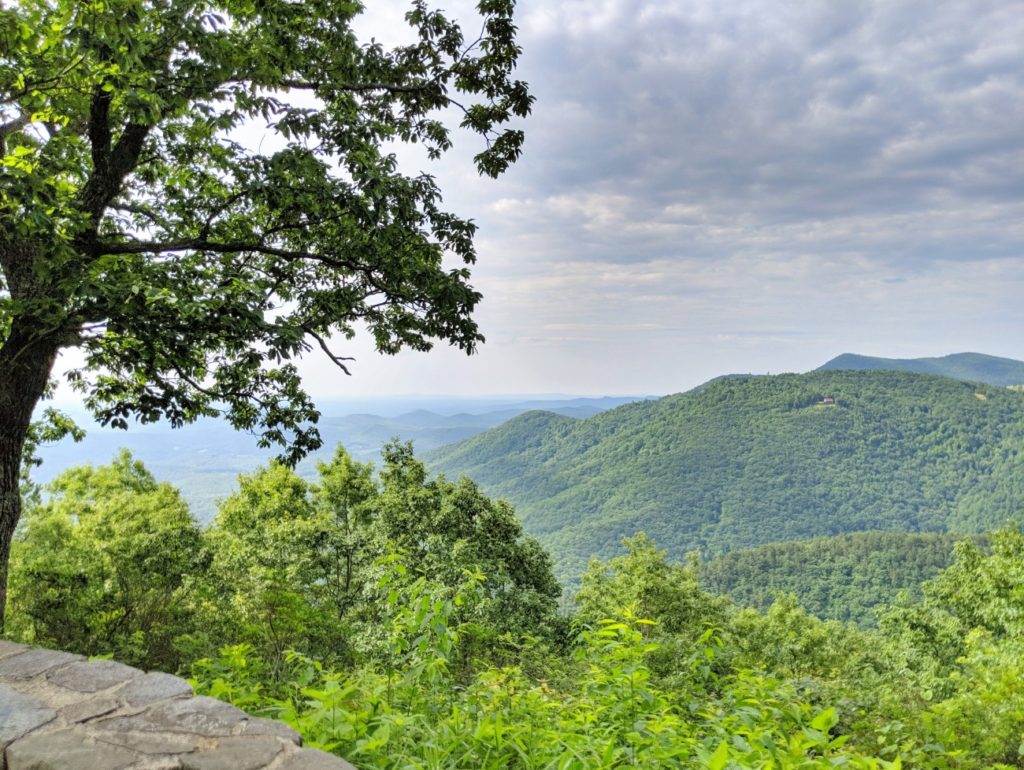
x,y
746,186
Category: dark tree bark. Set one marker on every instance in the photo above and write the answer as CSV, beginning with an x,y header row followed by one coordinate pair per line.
x,y
26,359
22,384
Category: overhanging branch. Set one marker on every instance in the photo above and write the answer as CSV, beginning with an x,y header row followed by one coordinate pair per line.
x,y
313,85
229,247
237,247
335,358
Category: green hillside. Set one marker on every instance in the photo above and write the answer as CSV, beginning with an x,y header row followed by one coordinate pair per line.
x,y
747,461
846,577
972,367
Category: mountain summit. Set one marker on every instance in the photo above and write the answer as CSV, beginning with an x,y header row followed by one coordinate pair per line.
x,y
971,367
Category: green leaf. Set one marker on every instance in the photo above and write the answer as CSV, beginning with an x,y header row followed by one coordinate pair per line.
x,y
825,720
718,760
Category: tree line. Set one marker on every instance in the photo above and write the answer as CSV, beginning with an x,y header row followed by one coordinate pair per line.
x,y
844,577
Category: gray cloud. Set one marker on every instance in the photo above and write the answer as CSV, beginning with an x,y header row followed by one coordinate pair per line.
x,y
745,186
778,110
753,185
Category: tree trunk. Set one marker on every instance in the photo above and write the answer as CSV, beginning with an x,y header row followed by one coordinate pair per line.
x,y
10,510
22,383
27,355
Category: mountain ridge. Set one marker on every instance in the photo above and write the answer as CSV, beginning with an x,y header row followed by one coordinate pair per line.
x,y
746,461
970,367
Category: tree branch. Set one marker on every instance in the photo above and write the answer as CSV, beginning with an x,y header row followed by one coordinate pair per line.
x,y
335,359
106,179
99,130
12,126
220,395
231,247
313,85
144,211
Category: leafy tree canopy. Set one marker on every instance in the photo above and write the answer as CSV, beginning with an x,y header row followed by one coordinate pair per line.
x,y
844,577
139,226
104,565
189,267
298,564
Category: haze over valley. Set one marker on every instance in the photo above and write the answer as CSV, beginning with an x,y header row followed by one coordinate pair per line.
x,y
861,444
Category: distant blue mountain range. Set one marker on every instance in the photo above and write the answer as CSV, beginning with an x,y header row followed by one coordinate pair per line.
x,y
204,459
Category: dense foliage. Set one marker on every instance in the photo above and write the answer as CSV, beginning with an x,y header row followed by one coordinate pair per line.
x,y
404,622
188,263
746,461
103,565
845,577
115,563
971,367
193,193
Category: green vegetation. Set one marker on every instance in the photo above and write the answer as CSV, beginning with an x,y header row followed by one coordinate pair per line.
x,y
103,566
115,563
188,267
971,367
747,461
845,577
408,622
405,623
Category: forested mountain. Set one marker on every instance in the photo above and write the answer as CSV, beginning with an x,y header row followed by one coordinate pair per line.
x,y
973,367
845,577
746,461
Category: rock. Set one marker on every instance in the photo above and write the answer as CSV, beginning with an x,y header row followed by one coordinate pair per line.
x,y
150,743
34,662
153,687
61,712
69,749
201,715
253,726
92,676
20,714
10,648
237,753
85,710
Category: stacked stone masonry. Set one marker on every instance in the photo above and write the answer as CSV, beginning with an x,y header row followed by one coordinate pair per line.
x,y
62,712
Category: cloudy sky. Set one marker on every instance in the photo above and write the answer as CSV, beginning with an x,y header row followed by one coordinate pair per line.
x,y
760,185
714,186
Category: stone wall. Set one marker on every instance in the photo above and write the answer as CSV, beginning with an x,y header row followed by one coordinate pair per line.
x,y
62,712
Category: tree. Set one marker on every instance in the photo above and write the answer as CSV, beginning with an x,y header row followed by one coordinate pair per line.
x,y
188,268
448,528
274,568
347,493
299,565
104,566
645,582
